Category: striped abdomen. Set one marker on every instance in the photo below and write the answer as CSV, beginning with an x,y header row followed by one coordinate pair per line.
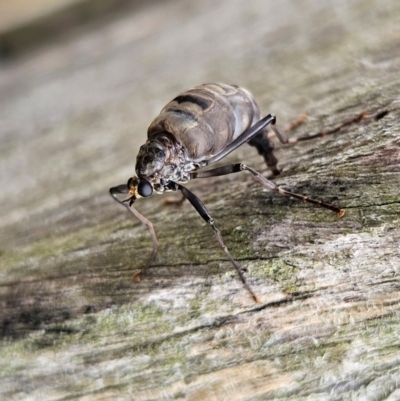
x,y
207,118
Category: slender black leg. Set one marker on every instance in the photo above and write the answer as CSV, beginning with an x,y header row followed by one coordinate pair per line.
x,y
235,168
203,212
123,189
247,136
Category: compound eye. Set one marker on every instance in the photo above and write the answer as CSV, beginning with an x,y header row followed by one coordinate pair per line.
x,y
144,188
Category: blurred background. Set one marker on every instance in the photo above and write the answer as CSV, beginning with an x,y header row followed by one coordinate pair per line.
x,y
80,81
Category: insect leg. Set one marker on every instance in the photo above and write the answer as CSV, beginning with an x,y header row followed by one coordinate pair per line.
x,y
203,212
321,134
123,189
247,136
265,148
235,168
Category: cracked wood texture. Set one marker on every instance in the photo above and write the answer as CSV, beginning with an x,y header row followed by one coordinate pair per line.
x,y
74,325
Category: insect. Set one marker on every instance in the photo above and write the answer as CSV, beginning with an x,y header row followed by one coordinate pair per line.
x,y
196,129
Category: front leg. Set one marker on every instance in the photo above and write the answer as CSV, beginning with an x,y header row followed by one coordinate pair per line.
x,y
204,213
123,189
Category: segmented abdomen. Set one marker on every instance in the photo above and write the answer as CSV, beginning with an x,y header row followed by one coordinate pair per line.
x,y
207,118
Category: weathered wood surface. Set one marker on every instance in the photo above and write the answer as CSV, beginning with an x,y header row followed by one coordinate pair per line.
x,y
75,325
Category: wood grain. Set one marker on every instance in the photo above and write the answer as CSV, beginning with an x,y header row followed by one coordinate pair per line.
x,y
74,325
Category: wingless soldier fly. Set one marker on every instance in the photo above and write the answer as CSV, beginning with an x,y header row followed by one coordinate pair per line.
x,y
196,129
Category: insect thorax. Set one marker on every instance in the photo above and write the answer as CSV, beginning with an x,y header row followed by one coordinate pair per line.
x,y
163,159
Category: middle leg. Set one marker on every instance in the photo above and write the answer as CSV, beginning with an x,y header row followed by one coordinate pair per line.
x,y
235,168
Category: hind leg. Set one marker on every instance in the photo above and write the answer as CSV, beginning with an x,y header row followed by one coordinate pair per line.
x,y
265,148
